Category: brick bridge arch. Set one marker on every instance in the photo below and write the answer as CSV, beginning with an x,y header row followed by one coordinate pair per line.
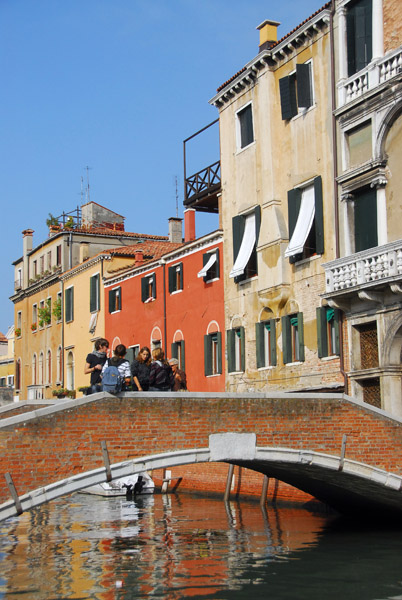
x,y
297,438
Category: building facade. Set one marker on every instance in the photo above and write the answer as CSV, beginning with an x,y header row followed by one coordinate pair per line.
x,y
365,279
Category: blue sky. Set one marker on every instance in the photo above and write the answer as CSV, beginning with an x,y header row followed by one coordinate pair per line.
x,y
115,85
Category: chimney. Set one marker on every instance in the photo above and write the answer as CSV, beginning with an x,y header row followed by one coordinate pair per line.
x,y
189,225
84,251
139,257
175,233
268,34
26,249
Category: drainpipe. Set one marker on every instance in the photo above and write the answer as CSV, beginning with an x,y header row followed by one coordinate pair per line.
x,y
335,189
62,333
163,263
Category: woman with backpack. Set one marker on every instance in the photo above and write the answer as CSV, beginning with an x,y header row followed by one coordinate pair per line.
x,y
116,373
161,377
140,370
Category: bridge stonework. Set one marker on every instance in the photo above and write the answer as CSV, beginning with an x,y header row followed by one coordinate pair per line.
x,y
56,442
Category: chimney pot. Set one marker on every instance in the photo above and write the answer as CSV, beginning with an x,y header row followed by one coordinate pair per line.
x,y
175,230
189,225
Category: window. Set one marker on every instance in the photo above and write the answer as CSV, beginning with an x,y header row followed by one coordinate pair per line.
x,y
49,367
69,304
155,343
34,370
246,229
18,374
306,223
365,218
296,91
35,268
245,133
327,331
115,300
19,324
293,338
210,269
213,353
176,278
148,288
42,264
49,261
266,343
59,366
41,311
177,351
10,380
94,293
70,371
41,368
34,325
236,349
58,255
359,35
132,353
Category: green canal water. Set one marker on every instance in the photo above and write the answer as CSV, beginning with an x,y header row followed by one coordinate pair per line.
x,y
85,547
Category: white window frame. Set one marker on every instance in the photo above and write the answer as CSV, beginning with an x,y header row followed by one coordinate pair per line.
x,y
239,147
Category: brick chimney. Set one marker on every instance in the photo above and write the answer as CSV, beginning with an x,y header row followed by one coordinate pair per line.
x,y
84,251
175,230
268,34
189,225
26,249
139,257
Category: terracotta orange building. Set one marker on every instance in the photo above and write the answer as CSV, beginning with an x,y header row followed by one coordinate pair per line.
x,y
172,297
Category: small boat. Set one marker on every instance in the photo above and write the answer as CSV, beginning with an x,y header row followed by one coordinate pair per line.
x,y
129,487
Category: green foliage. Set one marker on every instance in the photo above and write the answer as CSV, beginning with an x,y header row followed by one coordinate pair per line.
x,y
57,309
52,221
45,313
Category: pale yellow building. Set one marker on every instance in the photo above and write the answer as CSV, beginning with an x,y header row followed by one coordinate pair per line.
x,y
7,364
277,210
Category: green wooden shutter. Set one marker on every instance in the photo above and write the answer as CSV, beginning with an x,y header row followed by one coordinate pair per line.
x,y
121,299
363,33
219,338
318,216
303,82
286,340
322,342
183,357
365,213
272,324
246,126
217,269
144,289
93,293
181,276
259,344
67,307
172,279
230,344
173,350
154,286
288,98
112,301
207,355
300,328
243,350
337,323
294,202
238,224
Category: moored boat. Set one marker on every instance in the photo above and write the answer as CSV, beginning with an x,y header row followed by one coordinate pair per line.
x,y
130,486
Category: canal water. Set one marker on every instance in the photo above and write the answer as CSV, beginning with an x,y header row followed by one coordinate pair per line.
x,y
177,546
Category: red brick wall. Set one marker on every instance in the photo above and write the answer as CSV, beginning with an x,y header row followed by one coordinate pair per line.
x,y
65,443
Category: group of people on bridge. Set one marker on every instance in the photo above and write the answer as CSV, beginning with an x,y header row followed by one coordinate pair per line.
x,y
147,372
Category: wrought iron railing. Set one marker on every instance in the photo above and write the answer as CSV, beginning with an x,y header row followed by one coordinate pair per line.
x,y
204,182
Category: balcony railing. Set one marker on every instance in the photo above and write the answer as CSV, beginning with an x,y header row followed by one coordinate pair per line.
x,y
207,181
380,264
373,75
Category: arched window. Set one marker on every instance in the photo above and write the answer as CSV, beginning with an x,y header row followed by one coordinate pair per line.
x,y
41,366
49,367
18,374
34,369
70,370
59,373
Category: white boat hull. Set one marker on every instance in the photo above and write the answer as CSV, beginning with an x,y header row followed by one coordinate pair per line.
x,y
118,487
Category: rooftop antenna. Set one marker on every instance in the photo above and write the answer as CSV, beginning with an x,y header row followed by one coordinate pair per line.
x,y
177,199
87,170
82,190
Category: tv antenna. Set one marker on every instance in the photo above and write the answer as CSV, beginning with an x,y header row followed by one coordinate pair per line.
x,y
87,190
177,198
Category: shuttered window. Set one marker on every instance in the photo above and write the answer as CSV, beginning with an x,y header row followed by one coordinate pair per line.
x,y
249,268
359,35
213,354
69,304
296,91
175,275
94,293
236,349
148,288
313,224
266,343
293,338
115,301
210,268
327,331
365,217
177,351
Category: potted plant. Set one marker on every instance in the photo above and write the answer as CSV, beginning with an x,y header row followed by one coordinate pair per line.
x,y
18,332
63,393
34,326
45,314
57,309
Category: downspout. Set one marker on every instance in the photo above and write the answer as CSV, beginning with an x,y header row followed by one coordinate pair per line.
x,y
62,333
335,183
163,263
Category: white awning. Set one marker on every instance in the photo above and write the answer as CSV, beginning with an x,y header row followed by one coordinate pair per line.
x,y
304,222
92,322
211,261
246,248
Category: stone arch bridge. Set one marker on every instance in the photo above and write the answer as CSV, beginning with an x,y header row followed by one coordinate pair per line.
x,y
343,452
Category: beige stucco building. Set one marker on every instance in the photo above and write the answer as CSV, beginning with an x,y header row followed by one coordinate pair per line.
x,y
275,119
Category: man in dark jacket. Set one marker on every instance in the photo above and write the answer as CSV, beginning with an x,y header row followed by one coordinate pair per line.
x,y
94,364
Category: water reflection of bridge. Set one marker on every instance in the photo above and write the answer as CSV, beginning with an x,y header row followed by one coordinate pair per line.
x,y
345,453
